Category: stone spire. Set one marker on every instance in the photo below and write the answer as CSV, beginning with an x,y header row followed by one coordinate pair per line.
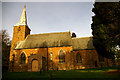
x,y
23,19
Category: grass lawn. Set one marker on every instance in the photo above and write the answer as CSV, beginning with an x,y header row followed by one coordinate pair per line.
x,y
68,74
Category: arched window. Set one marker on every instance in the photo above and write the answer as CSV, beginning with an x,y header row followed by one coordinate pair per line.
x,y
61,57
78,58
13,57
22,58
19,29
51,55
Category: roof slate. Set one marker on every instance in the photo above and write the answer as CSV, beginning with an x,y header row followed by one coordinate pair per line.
x,y
82,43
45,40
59,39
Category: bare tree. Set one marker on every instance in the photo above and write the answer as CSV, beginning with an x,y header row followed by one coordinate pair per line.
x,y
5,41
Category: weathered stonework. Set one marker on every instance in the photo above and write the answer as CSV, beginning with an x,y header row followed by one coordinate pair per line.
x,y
19,34
89,57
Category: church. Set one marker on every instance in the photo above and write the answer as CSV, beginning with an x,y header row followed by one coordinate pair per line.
x,y
51,51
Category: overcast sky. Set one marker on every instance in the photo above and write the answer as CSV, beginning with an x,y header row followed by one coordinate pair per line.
x,y
47,17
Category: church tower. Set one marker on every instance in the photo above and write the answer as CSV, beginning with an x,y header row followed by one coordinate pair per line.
x,y
20,32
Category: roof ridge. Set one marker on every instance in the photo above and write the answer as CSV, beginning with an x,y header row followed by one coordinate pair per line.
x,y
82,37
48,33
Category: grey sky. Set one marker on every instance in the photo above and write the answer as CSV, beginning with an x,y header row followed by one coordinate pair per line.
x,y
0,15
46,17
48,0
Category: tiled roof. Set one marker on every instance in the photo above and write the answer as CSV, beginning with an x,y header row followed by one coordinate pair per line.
x,y
82,43
45,40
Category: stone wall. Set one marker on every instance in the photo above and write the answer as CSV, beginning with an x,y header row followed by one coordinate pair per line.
x,y
90,59
28,53
19,34
54,64
32,57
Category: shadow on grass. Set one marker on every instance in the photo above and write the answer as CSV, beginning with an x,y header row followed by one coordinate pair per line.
x,y
68,74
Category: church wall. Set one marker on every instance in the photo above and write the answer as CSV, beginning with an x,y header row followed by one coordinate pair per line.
x,y
106,63
28,52
19,34
90,59
54,64
117,62
27,31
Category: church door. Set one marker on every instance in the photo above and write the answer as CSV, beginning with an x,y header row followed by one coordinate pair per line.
x,y
96,64
43,63
35,65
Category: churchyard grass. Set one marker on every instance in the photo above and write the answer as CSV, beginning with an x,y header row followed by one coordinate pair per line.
x,y
67,74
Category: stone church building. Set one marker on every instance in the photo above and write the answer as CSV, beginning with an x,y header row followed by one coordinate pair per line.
x,y
51,51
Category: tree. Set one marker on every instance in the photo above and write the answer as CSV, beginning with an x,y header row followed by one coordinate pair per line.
x,y
106,27
5,49
73,35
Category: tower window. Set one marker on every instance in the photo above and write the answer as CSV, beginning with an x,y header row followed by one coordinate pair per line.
x,y
78,58
61,57
51,54
19,29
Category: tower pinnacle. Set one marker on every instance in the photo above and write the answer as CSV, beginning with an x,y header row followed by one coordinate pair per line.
x,y
23,19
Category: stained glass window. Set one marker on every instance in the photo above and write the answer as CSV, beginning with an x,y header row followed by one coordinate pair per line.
x,y
23,58
61,57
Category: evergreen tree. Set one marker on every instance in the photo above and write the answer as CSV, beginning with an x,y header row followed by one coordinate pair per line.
x,y
106,27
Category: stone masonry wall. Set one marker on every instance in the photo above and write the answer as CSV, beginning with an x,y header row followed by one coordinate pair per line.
x,y
89,59
28,52
19,34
